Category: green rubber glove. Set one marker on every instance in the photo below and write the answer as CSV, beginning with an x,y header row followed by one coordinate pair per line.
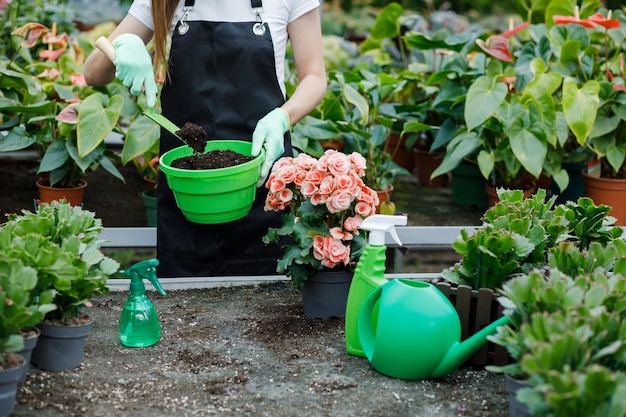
x,y
270,133
133,66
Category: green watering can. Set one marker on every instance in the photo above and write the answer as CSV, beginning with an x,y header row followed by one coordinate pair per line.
x,y
416,331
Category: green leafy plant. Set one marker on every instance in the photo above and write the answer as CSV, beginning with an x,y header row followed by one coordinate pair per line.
x,y
17,309
46,105
61,243
360,106
567,337
519,234
515,236
546,90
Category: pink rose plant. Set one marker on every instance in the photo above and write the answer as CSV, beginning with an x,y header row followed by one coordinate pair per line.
x,y
323,203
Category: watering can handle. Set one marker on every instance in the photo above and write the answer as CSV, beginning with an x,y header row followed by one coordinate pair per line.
x,y
365,331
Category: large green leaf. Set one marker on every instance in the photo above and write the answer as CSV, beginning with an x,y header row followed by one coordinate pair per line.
x,y
95,121
16,139
141,136
353,97
56,155
528,146
439,40
484,97
616,154
486,162
580,107
386,25
459,148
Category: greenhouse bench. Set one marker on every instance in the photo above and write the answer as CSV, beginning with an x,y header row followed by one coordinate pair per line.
x,y
414,237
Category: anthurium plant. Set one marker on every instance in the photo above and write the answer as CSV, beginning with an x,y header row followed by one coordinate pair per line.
x,y
60,242
46,104
546,89
323,202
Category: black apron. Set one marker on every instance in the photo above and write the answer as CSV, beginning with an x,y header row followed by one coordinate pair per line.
x,y
223,78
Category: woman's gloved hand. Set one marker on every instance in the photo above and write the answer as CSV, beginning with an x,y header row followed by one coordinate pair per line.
x,y
269,133
133,66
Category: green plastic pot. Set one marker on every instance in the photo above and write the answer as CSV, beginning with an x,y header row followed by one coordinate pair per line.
x,y
213,196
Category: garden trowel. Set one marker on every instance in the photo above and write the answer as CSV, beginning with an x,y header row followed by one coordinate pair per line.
x,y
107,49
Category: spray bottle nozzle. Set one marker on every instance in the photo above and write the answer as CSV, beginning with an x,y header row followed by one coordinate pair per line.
x,y
379,224
144,269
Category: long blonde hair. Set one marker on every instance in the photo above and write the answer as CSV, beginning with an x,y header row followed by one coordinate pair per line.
x,y
162,15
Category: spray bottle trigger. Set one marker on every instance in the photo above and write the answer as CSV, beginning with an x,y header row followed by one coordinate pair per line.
x,y
394,234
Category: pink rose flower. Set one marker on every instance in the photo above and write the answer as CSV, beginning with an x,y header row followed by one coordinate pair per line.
x,y
308,189
327,186
335,251
318,199
363,209
276,185
315,176
286,173
337,163
347,183
339,202
352,223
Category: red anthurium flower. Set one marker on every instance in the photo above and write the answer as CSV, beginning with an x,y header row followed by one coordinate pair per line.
x,y
497,46
564,20
52,55
607,22
76,99
68,115
49,73
31,32
55,40
514,30
619,87
78,79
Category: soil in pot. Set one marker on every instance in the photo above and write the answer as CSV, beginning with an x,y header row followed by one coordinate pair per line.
x,y
219,158
196,138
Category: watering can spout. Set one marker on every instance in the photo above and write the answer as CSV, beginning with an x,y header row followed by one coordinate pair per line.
x,y
461,351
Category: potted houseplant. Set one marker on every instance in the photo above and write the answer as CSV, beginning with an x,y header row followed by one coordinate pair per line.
x,y
18,312
516,236
542,85
49,107
565,336
323,202
65,252
147,165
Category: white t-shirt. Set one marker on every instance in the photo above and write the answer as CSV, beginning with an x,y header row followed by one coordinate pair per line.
x,y
277,13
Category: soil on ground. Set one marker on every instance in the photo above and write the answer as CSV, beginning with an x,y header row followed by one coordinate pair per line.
x,y
241,350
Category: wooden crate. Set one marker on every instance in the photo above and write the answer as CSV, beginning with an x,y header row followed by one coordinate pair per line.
x,y
477,309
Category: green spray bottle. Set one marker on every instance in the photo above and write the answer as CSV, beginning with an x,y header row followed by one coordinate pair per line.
x,y
369,273
139,323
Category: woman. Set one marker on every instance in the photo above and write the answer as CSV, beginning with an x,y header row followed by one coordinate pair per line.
x,y
225,73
